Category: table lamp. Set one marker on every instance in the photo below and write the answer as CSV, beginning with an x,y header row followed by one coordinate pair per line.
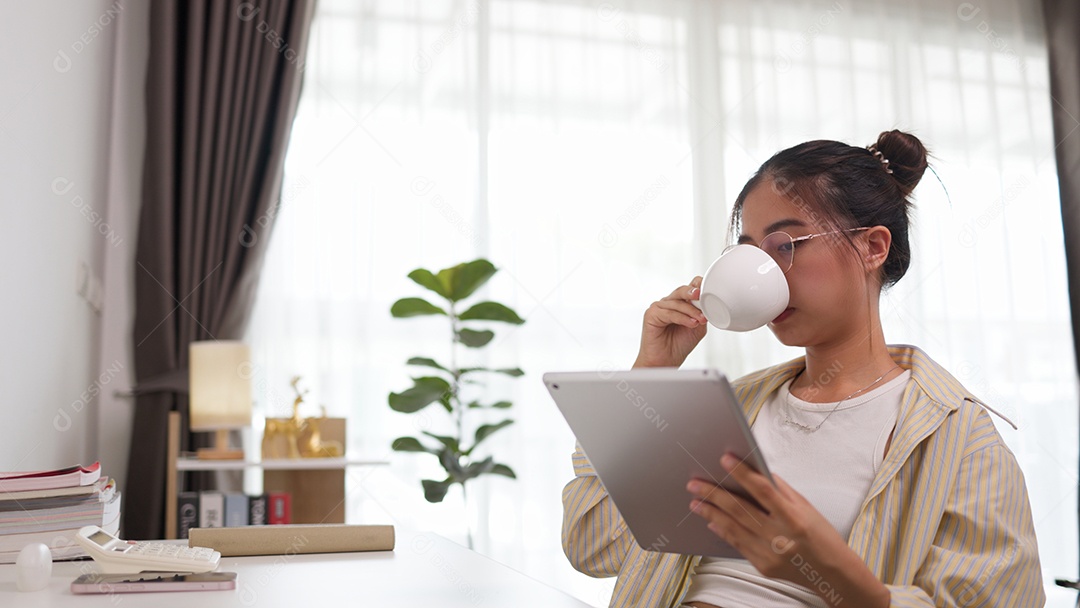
x,y
220,393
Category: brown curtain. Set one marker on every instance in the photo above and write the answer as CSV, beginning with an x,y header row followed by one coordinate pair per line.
x,y
222,88
1063,38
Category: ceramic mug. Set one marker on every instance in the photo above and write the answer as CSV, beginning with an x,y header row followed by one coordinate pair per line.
x,y
743,290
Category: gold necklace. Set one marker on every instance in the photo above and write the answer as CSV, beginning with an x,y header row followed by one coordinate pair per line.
x,y
809,429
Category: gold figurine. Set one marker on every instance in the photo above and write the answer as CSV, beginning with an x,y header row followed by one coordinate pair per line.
x,y
298,437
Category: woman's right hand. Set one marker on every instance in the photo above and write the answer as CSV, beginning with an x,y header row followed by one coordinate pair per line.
x,y
672,328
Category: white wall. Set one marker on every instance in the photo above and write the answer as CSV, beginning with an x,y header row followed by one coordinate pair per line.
x,y
58,213
124,196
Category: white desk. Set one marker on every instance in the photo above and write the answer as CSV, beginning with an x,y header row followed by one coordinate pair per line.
x,y
424,570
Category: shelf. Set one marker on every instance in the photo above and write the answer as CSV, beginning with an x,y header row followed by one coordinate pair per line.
x,y
278,464
317,485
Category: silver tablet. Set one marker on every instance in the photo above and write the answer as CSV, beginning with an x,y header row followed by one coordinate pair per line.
x,y
647,432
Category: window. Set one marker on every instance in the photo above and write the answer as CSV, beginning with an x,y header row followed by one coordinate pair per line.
x,y
592,153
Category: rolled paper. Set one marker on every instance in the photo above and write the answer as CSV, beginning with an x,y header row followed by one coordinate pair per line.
x,y
292,539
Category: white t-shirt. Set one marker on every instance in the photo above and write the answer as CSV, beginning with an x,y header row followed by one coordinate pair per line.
x,y
832,467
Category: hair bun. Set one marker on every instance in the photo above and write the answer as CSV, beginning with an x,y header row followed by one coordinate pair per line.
x,y
906,155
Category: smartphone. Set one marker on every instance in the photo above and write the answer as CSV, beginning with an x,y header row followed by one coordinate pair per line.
x,y
148,582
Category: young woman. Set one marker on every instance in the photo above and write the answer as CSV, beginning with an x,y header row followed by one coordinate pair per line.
x,y
893,487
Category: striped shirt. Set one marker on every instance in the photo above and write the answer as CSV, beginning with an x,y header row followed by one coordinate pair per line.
x,y
946,523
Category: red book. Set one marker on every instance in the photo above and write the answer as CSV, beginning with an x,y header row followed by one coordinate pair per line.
x,y
47,480
280,507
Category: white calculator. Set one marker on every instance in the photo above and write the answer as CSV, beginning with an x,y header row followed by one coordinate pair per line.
x,y
116,556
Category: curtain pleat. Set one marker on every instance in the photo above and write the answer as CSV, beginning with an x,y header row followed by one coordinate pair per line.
x,y
221,98
1063,43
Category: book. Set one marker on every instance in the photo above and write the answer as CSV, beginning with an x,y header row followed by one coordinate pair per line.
x,y
187,513
61,542
211,509
257,510
103,491
46,480
293,539
236,510
44,520
25,495
279,505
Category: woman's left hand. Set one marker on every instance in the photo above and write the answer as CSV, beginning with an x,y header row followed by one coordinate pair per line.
x,y
785,538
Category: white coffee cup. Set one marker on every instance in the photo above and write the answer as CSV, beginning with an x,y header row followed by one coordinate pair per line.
x,y
743,289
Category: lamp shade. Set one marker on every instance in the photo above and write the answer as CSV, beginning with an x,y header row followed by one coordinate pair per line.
x,y
220,396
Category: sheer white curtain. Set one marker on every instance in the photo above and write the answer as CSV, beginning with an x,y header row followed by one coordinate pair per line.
x,y
592,151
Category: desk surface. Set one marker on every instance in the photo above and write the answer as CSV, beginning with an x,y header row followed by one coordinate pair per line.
x,y
424,570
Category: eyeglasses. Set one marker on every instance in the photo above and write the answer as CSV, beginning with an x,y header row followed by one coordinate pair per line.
x,y
781,245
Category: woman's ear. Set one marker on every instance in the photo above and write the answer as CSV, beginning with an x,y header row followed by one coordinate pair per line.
x,y
878,242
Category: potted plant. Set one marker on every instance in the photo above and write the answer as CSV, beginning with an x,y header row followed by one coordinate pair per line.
x,y
445,383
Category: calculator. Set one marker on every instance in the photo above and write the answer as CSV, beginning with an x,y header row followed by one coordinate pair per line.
x,y
116,556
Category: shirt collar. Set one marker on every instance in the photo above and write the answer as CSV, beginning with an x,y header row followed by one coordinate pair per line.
x,y
934,380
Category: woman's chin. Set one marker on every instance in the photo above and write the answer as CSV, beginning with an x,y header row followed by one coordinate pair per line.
x,y
787,335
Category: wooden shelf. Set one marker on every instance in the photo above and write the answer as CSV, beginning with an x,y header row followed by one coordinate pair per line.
x,y
317,485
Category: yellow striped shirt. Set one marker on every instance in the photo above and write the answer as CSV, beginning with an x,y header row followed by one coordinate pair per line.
x,y
946,523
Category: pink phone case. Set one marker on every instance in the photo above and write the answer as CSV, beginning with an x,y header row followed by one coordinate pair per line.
x,y
149,582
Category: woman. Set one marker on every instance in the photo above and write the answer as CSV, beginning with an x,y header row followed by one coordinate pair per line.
x,y
893,487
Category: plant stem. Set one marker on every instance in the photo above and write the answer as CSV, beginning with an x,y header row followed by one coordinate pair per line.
x,y
458,413
455,386
468,517
453,343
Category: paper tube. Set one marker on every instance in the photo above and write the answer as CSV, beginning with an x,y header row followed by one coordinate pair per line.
x,y
293,539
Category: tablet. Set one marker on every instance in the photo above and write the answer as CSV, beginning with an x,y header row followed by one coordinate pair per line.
x,y
647,432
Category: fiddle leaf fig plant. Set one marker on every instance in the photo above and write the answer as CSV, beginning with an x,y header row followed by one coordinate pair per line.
x,y
445,384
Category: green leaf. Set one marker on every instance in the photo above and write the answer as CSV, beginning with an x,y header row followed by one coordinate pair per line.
x,y
426,362
497,404
450,442
410,444
424,278
473,338
435,491
486,430
491,311
466,278
502,469
451,461
414,307
445,402
509,371
477,469
424,392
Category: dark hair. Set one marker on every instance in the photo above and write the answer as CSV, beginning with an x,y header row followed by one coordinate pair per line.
x,y
848,186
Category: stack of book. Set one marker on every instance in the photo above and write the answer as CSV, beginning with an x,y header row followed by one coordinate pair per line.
x,y
209,509
50,506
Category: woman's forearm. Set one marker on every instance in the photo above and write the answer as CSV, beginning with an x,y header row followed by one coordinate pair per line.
x,y
844,581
